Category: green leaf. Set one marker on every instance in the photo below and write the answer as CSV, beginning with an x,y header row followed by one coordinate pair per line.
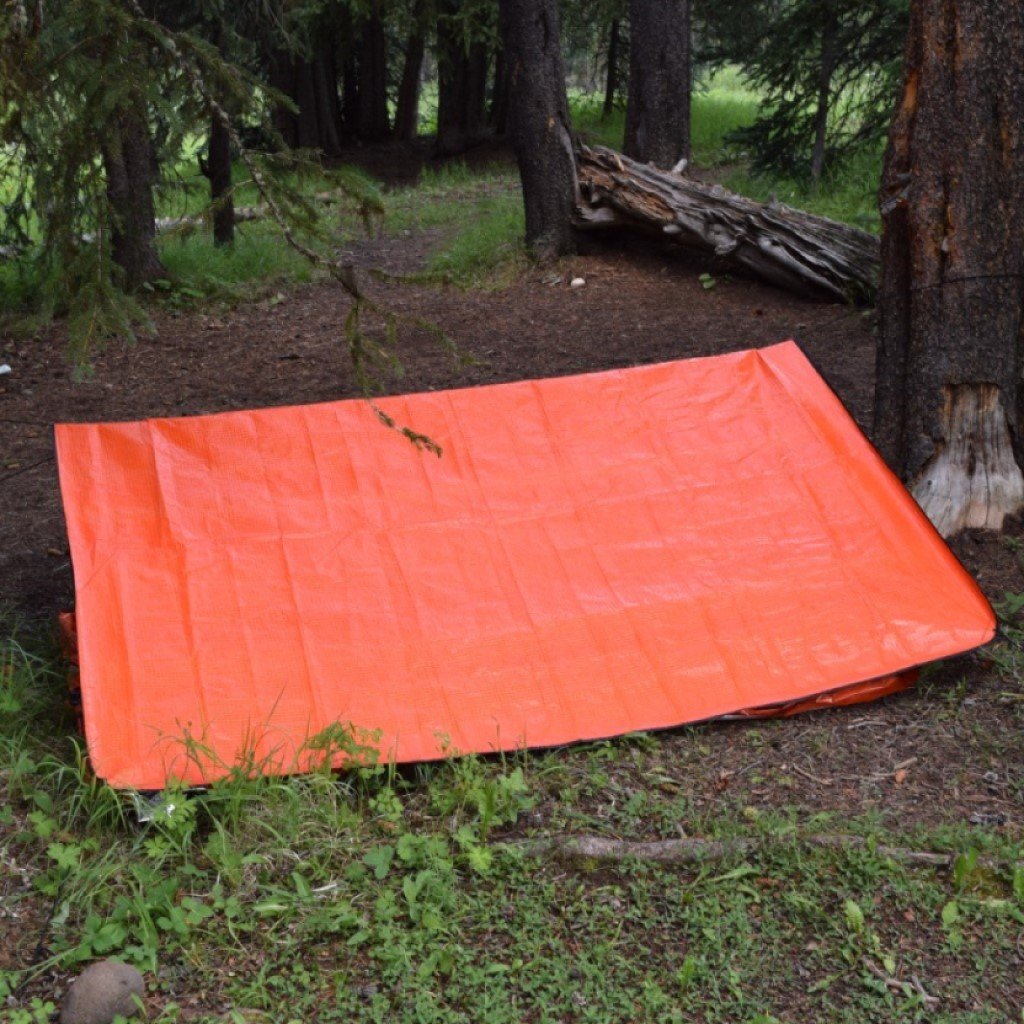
x,y
66,855
480,859
951,913
854,916
379,860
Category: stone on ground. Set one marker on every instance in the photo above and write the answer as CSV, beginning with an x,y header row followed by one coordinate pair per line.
x,y
101,992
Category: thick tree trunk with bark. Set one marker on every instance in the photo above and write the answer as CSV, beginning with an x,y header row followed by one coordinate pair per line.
x,y
539,124
658,109
949,411
798,251
130,168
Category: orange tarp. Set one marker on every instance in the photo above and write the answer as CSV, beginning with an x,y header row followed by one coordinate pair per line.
x,y
592,555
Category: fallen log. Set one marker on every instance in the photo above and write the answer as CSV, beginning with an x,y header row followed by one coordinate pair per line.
x,y
790,248
687,851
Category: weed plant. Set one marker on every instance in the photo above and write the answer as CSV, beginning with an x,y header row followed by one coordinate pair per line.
x,y
404,894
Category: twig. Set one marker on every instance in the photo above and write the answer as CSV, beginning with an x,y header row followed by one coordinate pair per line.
x,y
907,988
813,778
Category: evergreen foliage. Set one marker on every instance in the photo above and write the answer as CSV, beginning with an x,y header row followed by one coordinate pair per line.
x,y
828,71
69,69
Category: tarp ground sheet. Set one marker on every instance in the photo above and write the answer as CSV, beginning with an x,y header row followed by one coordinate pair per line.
x,y
592,555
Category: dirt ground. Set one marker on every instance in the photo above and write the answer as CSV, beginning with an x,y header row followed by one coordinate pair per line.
x,y
946,752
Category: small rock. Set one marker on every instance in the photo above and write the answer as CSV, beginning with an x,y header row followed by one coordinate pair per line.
x,y
577,282
995,818
5,368
101,992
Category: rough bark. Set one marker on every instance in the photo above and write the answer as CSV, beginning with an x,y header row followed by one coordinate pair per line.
x,y
539,124
130,168
948,411
407,107
798,251
658,108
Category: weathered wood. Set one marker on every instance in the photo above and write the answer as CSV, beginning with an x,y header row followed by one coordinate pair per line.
x,y
974,480
685,851
795,250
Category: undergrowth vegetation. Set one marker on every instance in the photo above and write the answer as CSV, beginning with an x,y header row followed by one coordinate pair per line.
x,y
387,894
473,215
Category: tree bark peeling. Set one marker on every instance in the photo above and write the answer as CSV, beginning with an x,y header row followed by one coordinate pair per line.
x,y
973,481
949,409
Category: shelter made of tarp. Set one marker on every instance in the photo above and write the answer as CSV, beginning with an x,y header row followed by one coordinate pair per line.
x,y
592,555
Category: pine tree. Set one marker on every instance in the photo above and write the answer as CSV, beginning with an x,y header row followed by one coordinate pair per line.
x,y
828,69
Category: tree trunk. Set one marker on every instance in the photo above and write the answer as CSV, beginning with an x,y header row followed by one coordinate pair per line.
x,y
325,90
949,402
539,124
282,78
795,250
461,86
350,102
611,80
374,125
218,170
825,70
407,108
658,109
130,168
497,116
307,123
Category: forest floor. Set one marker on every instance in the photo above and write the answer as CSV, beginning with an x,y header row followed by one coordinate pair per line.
x,y
781,934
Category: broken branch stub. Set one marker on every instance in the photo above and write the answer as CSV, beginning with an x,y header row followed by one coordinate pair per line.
x,y
798,251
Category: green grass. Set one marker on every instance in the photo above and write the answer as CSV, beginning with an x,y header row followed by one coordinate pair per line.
x,y
477,215
487,251
386,895
260,260
849,194
720,105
